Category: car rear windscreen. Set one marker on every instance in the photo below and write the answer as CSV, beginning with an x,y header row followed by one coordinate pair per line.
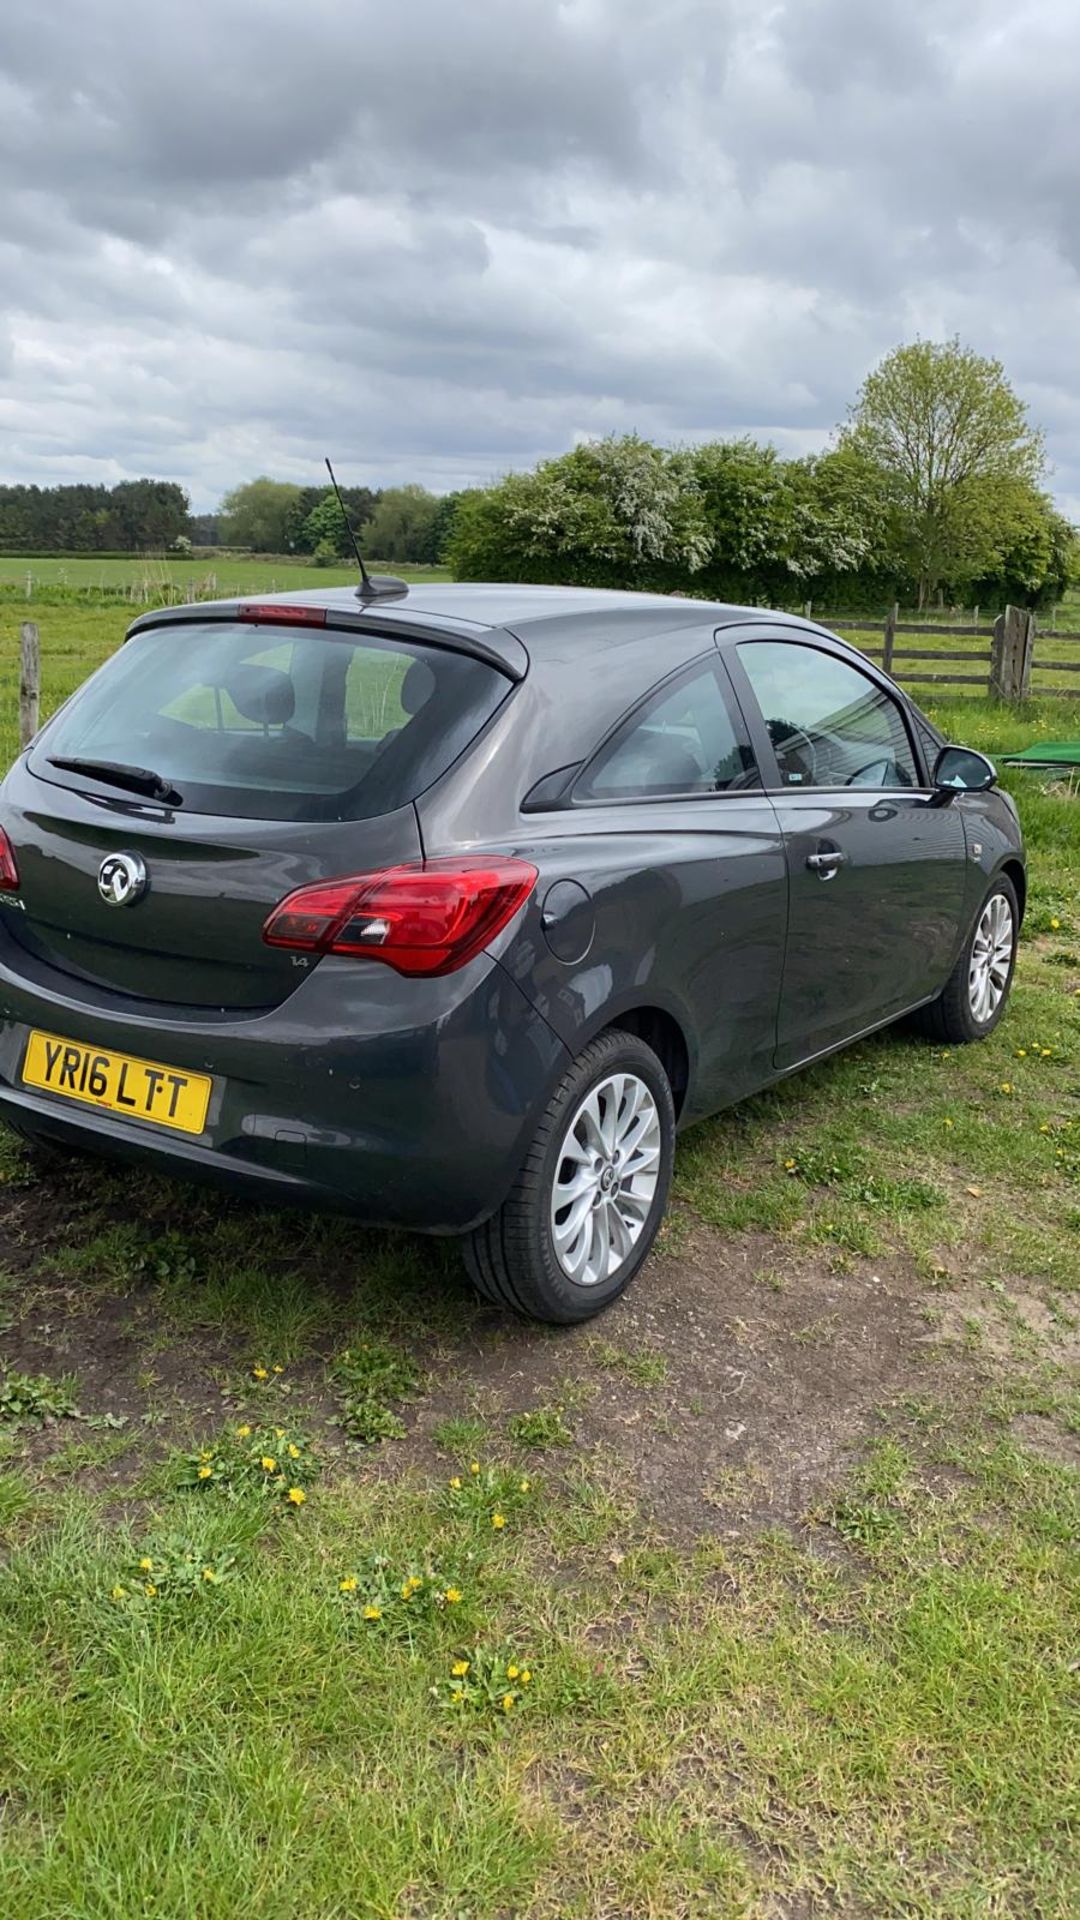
x,y
277,723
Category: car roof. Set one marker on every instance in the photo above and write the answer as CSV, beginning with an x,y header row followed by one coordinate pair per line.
x,y
508,624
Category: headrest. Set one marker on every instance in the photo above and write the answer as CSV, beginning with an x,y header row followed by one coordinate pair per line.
x,y
262,694
417,687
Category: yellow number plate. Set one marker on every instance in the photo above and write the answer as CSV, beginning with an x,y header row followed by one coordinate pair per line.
x,y
142,1089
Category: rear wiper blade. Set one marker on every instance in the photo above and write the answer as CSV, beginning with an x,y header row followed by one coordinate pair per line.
x,y
115,774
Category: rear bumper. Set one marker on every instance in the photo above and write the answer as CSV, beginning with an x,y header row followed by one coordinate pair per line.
x,y
406,1102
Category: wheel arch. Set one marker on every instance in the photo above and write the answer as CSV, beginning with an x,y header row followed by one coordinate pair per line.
x,y
1015,871
662,1032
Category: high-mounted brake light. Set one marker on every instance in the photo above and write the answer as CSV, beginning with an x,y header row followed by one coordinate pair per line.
x,y
9,867
271,612
426,919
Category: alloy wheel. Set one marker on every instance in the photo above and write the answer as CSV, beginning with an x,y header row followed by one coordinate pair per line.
x,y
991,958
606,1178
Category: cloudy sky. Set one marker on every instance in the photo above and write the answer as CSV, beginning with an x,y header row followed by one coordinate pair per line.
x,y
440,238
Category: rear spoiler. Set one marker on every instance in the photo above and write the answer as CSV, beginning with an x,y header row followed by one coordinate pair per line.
x,y
494,645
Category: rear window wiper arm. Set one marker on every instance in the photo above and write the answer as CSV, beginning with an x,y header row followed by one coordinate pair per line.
x,y
115,774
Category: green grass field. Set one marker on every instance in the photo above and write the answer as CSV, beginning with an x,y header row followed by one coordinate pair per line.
x,y
756,1601
201,576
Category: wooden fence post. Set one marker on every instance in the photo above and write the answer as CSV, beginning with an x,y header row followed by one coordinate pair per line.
x,y
1026,654
1010,664
997,659
891,619
29,681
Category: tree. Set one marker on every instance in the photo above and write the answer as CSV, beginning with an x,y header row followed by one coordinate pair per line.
x,y
324,530
402,525
259,515
958,454
442,526
728,520
615,512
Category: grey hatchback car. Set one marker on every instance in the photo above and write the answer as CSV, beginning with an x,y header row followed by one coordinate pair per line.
x,y
448,906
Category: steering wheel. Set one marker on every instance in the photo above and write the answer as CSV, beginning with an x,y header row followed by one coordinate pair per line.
x,y
792,736
878,768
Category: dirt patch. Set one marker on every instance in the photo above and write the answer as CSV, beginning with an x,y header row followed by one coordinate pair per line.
x,y
761,1374
1044,1436
730,1388
1009,1324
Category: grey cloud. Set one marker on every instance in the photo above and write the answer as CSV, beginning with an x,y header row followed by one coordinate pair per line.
x,y
450,240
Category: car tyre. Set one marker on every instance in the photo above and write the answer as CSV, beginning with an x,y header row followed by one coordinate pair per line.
x,y
977,991
47,1155
585,1208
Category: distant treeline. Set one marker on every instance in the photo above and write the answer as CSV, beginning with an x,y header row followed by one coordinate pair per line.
x,y
134,516
264,516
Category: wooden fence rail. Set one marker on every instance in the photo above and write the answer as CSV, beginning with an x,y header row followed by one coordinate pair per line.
x,y
1008,661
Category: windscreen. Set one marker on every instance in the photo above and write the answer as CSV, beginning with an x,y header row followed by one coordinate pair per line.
x,y
276,723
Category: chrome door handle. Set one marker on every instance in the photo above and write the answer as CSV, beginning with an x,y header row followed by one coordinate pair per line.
x,y
826,864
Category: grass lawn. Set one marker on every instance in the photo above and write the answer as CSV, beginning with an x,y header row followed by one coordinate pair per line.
x,y
173,577
327,1592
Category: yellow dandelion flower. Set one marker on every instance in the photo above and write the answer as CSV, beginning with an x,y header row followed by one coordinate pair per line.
x,y
348,1585
1021,1053
1044,1128
789,1166
297,1496
243,1433
268,1463
508,1701
459,1669
279,1433
456,1483
498,1521
1055,924
949,1123
512,1673
1006,1086
372,1613
474,1466
210,1576
457,1696
260,1373
526,1676
118,1593
1046,1052
406,1590
150,1590
294,1451
146,1565
206,1473
523,1486
452,1596
207,1453
279,1369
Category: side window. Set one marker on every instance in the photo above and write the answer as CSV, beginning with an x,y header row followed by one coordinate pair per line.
x,y
681,740
829,724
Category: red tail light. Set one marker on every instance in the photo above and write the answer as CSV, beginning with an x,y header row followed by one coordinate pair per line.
x,y
9,869
426,919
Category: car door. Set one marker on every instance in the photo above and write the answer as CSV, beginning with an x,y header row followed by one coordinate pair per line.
x,y
683,862
876,873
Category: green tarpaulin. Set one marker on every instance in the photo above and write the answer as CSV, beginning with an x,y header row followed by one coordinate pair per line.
x,y
1054,753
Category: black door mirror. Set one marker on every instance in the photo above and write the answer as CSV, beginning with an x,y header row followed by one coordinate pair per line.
x,y
962,770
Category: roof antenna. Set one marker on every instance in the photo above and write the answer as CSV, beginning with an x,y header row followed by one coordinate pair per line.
x,y
373,586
